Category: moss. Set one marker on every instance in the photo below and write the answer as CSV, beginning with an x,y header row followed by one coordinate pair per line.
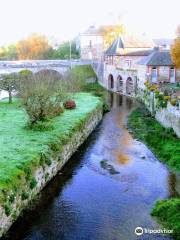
x,y
24,195
33,183
163,142
7,209
168,213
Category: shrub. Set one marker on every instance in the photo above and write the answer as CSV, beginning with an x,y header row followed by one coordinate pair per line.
x,y
70,104
166,98
173,102
168,212
42,96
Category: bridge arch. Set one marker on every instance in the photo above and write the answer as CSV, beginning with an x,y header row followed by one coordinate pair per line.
x,y
110,81
120,84
129,86
49,72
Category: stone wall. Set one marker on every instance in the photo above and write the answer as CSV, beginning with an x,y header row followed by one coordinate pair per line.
x,y
169,117
45,173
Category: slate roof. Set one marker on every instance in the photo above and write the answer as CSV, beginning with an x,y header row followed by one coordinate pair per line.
x,y
157,58
139,53
114,49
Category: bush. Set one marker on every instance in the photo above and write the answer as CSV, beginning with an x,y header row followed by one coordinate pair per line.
x,y
70,104
173,102
42,95
168,212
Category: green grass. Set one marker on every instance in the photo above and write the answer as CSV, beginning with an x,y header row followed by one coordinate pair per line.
x,y
84,71
97,90
168,212
163,142
21,149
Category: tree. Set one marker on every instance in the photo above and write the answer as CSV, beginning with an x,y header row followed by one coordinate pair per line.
x,y
110,33
9,83
63,52
34,47
40,97
175,49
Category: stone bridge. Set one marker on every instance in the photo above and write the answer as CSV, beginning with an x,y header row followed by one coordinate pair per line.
x,y
60,66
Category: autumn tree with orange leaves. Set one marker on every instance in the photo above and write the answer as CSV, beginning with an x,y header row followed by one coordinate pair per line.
x,y
110,33
34,47
175,49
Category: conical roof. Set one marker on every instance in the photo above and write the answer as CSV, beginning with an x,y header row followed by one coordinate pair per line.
x,y
116,47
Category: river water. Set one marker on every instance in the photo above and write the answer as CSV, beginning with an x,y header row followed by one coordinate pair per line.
x,y
107,189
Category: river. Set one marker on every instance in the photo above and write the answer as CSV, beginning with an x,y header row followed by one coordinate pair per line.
x,y
106,190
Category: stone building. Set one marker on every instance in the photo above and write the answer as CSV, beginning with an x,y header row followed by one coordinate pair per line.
x,y
90,44
129,63
157,68
120,74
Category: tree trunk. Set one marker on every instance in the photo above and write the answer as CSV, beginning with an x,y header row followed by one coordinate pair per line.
x,y
10,97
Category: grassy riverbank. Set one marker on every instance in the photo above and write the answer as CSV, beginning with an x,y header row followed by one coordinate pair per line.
x,y
166,146
163,142
168,213
23,150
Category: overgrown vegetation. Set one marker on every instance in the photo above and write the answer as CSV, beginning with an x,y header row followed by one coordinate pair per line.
x,y
168,212
163,142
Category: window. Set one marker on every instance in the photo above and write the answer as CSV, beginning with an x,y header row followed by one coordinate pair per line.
x,y
128,63
154,75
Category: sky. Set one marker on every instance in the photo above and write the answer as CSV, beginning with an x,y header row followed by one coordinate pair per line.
x,y
64,19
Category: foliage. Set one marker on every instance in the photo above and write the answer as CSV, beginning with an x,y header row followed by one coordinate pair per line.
x,y
168,212
83,72
173,102
8,53
110,33
175,49
164,143
25,72
42,97
27,146
9,83
69,104
63,51
34,47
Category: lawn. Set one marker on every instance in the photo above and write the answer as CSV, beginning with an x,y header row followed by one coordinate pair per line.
x,y
21,148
